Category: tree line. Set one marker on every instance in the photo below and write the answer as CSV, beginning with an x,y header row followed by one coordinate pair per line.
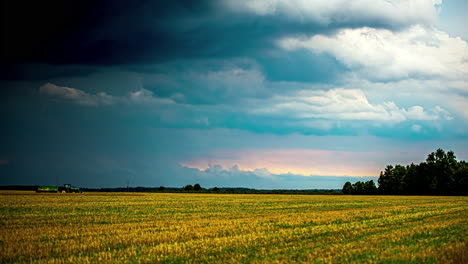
x,y
359,187
440,174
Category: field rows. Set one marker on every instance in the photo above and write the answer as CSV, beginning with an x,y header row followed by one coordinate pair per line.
x,y
90,228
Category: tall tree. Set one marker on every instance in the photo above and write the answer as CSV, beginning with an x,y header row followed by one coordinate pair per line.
x,y
370,187
347,188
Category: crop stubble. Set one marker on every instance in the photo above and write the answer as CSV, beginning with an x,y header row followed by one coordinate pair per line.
x,y
166,227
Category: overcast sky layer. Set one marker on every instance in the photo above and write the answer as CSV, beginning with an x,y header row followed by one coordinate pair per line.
x,y
288,94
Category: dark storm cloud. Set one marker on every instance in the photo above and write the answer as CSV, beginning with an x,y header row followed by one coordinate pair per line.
x,y
35,72
96,32
122,32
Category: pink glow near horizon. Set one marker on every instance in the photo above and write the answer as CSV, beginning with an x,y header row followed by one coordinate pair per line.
x,y
296,161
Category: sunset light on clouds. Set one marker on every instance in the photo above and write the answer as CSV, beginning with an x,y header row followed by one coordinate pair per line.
x,y
296,161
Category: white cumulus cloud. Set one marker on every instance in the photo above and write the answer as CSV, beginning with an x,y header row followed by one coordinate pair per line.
x,y
383,12
384,54
343,104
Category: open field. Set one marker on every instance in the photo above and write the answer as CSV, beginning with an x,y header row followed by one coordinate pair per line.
x,y
117,227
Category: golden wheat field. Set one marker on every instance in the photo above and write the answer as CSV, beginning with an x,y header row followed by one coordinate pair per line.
x,y
221,228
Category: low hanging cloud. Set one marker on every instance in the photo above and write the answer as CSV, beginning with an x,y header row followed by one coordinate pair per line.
x,y
76,95
141,96
301,110
384,54
394,13
343,104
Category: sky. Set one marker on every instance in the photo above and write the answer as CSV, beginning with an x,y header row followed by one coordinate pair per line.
x,y
273,94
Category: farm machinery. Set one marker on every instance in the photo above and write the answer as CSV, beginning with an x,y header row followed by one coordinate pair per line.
x,y
66,188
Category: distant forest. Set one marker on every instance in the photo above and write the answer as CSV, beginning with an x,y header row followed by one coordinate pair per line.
x,y
440,174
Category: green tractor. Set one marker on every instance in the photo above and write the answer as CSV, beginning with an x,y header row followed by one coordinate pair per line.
x,y
47,189
67,188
